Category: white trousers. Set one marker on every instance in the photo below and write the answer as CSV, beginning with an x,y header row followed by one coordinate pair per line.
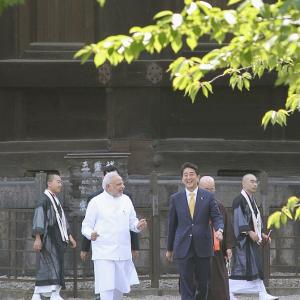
x,y
113,275
111,295
51,291
248,287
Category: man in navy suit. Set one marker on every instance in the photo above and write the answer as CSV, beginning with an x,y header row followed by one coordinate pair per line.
x,y
189,234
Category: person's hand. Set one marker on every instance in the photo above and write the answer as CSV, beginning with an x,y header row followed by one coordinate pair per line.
x,y
37,245
94,236
229,253
169,256
219,235
142,224
253,236
134,253
84,255
72,242
266,239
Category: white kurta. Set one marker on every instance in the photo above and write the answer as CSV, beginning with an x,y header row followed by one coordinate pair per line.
x,y
111,218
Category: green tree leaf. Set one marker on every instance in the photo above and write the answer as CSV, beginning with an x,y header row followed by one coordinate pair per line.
x,y
274,220
287,212
192,42
163,14
231,2
99,59
101,2
176,43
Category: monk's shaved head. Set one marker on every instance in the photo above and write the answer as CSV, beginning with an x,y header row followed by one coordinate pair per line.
x,y
207,183
248,177
249,183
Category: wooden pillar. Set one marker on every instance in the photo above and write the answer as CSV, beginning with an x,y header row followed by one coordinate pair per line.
x,y
265,213
155,233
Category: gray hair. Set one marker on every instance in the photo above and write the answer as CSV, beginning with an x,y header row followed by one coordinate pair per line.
x,y
108,179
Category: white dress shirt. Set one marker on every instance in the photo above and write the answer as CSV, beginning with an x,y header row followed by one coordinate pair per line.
x,y
188,193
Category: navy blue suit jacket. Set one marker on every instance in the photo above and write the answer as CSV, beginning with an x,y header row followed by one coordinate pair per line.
x,y
183,230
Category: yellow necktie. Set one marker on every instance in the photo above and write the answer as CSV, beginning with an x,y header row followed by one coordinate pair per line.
x,y
192,204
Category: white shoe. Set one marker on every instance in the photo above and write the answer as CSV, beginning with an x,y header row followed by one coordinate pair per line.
x,y
232,297
36,297
55,296
266,296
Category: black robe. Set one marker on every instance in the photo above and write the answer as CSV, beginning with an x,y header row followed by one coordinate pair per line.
x,y
219,286
247,264
50,264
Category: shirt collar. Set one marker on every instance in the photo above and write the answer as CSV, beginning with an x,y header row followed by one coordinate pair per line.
x,y
107,194
188,193
111,196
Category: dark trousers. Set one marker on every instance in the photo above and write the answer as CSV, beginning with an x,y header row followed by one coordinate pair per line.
x,y
194,276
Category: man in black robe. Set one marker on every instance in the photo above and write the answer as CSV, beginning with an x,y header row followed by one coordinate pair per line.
x,y
51,233
247,273
219,286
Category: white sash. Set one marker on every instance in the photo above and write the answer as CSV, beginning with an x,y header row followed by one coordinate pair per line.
x,y
61,221
257,222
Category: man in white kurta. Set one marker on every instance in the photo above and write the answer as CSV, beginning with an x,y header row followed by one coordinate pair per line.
x,y
107,222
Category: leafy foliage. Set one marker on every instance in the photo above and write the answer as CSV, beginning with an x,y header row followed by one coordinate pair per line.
x,y
6,3
101,2
251,40
290,211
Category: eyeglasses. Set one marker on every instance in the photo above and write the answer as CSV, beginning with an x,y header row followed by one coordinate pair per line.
x,y
255,181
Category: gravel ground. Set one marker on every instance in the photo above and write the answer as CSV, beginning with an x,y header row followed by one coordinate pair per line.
x,y
295,297
178,298
168,281
144,284
165,284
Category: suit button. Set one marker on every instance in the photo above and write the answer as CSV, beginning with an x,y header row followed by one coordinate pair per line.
x,y
191,235
192,224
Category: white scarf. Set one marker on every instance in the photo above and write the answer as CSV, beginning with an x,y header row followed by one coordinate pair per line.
x,y
61,221
257,222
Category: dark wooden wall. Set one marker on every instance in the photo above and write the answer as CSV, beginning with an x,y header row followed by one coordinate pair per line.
x,y
45,95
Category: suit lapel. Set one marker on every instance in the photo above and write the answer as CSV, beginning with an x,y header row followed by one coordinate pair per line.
x,y
199,200
184,204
